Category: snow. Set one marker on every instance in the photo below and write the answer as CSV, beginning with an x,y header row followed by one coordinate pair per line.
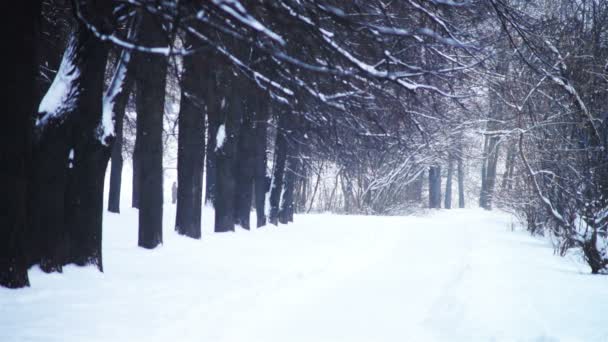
x,y
71,159
63,92
106,126
459,275
220,138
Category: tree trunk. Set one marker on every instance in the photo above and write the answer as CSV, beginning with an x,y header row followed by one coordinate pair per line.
x,y
484,167
489,177
280,155
287,200
245,169
120,104
507,179
435,187
226,158
261,181
215,105
461,203
71,154
15,149
448,185
136,181
150,102
191,146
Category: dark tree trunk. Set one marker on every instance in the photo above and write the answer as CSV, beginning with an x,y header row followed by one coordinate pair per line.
x,y
15,147
435,187
116,165
84,206
191,147
245,170
215,105
71,156
150,102
213,124
461,203
261,182
280,156
137,157
448,184
226,158
287,200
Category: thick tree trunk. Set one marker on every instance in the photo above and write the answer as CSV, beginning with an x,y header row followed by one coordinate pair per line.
x,y
280,156
191,147
448,184
261,181
226,158
71,155
150,102
216,104
116,165
461,203
15,148
435,187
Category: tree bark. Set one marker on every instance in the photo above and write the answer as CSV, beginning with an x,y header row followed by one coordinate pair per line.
x,y
71,155
489,177
245,169
15,148
448,185
150,102
191,146
435,187
226,158
507,180
280,156
461,203
287,200
116,165
261,181
215,104
136,181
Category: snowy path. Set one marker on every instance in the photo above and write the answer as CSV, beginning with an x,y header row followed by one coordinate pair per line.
x,y
459,275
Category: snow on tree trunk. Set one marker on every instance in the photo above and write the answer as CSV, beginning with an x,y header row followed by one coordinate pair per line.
x,y
70,159
115,102
226,155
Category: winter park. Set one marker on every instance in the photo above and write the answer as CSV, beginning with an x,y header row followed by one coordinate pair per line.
x,y
305,170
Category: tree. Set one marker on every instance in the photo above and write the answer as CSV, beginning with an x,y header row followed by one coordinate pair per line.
x,y
15,148
150,102
435,187
191,145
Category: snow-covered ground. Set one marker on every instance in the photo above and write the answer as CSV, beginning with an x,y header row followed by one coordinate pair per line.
x,y
459,275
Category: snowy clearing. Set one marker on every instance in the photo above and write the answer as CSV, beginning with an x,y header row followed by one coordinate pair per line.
x,y
459,275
